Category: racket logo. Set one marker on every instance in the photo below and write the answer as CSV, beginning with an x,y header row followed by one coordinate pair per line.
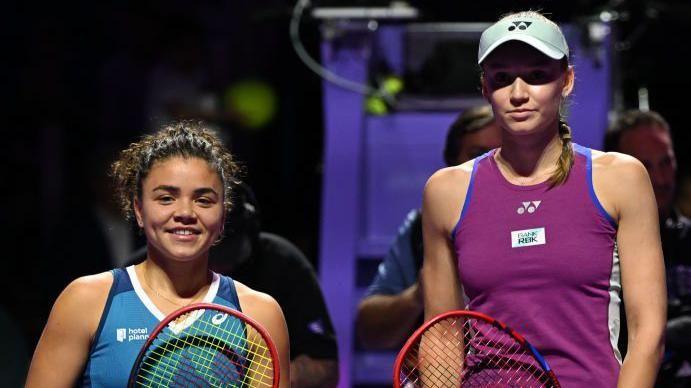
x,y
219,318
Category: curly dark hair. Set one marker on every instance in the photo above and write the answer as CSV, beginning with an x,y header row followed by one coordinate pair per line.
x,y
186,139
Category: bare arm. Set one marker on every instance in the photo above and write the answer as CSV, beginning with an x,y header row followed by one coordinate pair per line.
x,y
628,193
443,197
308,372
63,349
385,321
266,311
444,193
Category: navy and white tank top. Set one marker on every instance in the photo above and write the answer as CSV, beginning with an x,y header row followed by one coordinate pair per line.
x,y
128,319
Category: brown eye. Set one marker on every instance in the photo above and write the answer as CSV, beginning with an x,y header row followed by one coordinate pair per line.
x,y
206,201
537,76
165,199
501,78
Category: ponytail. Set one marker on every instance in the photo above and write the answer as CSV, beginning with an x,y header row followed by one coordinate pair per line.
x,y
566,158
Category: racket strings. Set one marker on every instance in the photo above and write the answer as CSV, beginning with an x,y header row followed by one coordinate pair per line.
x,y
226,353
466,352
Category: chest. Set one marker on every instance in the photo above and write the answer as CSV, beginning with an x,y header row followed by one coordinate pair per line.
x,y
533,241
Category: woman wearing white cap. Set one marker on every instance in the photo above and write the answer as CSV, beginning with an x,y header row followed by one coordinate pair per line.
x,y
542,233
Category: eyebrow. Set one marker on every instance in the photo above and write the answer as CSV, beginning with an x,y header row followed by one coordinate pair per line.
x,y
175,189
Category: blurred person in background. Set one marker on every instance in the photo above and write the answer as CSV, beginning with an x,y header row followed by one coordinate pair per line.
x,y
271,264
646,135
392,308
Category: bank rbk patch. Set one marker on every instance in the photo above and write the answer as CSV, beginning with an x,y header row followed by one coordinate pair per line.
x,y
528,237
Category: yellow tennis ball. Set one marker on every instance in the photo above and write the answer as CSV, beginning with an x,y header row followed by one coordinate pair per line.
x,y
392,85
253,100
376,106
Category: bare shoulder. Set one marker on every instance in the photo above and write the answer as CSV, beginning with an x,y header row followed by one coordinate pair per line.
x,y
619,166
257,305
445,194
88,289
81,303
619,179
450,177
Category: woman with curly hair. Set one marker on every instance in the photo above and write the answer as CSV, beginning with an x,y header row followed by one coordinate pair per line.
x,y
175,184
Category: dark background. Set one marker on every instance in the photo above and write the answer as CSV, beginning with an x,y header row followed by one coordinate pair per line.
x,y
77,74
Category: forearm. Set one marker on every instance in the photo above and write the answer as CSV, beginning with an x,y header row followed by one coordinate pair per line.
x,y
642,360
307,372
385,321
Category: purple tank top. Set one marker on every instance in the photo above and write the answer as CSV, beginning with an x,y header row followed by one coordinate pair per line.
x,y
544,261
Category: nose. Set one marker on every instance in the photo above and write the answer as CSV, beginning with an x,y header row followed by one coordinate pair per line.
x,y
184,213
519,92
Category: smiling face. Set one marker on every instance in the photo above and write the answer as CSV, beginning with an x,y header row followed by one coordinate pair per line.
x,y
181,208
525,88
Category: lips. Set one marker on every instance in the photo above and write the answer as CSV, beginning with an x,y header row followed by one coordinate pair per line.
x,y
184,231
520,114
184,234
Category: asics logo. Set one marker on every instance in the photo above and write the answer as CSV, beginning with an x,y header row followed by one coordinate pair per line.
x,y
529,206
521,25
219,318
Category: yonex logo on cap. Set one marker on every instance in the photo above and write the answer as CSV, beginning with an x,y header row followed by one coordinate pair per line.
x,y
521,25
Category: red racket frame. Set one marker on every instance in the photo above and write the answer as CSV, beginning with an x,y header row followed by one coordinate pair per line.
x,y
208,306
470,314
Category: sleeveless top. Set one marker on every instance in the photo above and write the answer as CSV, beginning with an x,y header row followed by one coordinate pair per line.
x,y
544,261
128,318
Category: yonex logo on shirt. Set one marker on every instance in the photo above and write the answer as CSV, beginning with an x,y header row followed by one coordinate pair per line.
x,y
138,334
529,206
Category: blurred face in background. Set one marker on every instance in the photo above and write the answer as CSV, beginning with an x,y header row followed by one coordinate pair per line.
x,y
652,145
476,143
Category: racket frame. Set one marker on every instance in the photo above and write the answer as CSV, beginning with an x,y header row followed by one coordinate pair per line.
x,y
208,306
400,358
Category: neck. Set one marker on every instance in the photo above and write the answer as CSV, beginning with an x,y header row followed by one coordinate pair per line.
x,y
529,156
184,279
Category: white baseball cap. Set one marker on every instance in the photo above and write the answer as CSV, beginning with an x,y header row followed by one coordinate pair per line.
x,y
535,31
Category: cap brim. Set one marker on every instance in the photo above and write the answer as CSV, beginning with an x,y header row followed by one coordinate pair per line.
x,y
538,44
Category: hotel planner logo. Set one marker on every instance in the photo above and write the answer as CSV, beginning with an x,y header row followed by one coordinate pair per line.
x,y
128,334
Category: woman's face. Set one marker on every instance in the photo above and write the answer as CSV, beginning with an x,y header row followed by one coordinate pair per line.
x,y
181,208
525,88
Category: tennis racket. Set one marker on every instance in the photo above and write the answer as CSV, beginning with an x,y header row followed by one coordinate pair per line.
x,y
468,349
207,345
